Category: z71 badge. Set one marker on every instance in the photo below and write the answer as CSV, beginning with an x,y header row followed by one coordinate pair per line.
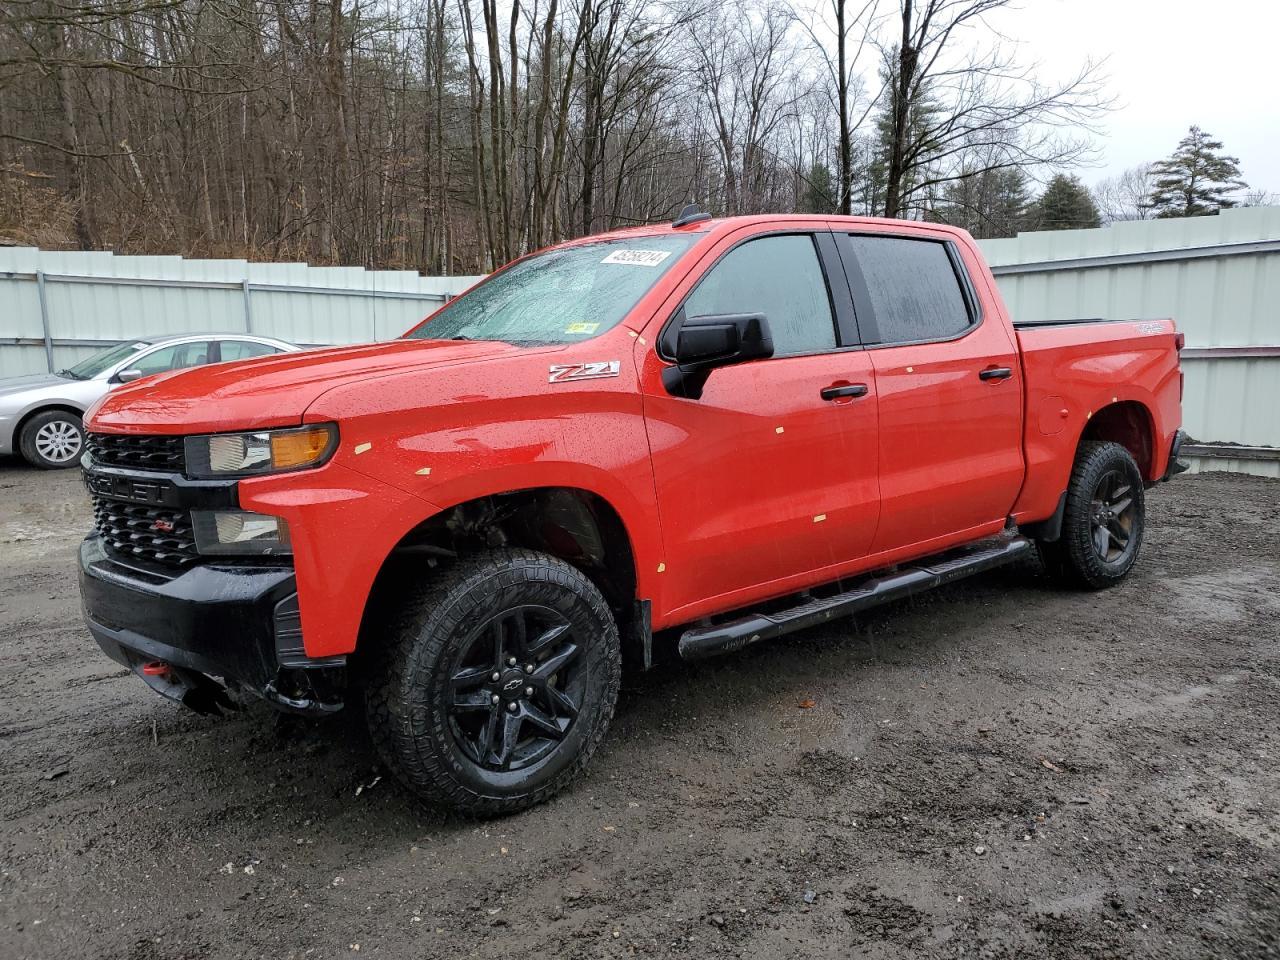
x,y
563,372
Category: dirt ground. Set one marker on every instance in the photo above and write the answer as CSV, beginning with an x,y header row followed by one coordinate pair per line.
x,y
1000,769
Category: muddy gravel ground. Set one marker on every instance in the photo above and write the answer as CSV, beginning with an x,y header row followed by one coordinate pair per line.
x,y
1001,769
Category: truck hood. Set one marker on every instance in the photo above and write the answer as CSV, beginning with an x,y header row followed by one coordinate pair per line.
x,y
268,391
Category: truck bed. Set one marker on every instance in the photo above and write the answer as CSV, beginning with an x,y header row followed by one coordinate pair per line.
x,y
1074,368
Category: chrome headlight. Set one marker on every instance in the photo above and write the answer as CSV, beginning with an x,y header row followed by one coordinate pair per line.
x,y
223,455
239,533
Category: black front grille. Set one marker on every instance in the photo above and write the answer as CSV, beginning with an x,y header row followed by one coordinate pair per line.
x,y
140,452
136,530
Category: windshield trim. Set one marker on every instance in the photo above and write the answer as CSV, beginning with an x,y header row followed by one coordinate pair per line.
x,y
136,346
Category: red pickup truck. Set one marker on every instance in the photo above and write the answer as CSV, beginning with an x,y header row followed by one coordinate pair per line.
x,y
707,433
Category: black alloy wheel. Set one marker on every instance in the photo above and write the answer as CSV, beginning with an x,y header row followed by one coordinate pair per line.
x,y
517,689
1113,515
493,683
1104,519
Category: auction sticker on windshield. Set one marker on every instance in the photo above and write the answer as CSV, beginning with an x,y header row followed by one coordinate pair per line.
x,y
638,258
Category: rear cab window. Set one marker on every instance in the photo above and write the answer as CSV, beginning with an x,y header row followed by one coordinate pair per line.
x,y
912,290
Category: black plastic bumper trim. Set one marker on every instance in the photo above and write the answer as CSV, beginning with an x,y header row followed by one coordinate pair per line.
x,y
214,620
1176,466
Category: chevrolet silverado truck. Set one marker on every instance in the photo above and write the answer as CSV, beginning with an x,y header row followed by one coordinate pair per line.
x,y
693,436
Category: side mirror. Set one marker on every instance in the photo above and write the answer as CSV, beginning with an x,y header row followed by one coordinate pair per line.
x,y
127,376
700,344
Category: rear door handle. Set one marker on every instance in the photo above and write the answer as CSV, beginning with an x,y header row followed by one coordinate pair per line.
x,y
995,373
844,390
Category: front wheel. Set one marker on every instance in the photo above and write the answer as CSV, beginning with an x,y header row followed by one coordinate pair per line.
x,y
52,440
1104,521
496,682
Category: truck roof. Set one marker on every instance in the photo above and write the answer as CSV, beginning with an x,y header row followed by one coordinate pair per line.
x,y
725,224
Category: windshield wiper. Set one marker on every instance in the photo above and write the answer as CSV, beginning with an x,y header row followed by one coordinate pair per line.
x,y
70,375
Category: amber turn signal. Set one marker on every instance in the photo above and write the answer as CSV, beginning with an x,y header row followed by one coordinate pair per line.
x,y
298,448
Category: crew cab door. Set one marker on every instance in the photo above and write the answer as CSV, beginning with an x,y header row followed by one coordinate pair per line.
x,y
769,475
950,442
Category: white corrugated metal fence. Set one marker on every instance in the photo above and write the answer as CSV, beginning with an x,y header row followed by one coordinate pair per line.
x,y
1218,277
58,307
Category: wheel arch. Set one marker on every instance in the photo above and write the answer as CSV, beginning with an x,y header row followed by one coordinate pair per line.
x,y
577,525
55,406
51,407
1129,423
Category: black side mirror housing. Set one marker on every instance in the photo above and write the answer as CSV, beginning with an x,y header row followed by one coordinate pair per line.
x,y
700,344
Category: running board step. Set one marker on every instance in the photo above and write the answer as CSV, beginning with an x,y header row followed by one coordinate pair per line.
x,y
921,575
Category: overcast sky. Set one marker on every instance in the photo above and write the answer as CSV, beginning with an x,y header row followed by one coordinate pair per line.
x,y
1171,63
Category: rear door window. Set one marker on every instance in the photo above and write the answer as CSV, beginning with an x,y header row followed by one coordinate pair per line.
x,y
176,357
780,277
244,349
914,290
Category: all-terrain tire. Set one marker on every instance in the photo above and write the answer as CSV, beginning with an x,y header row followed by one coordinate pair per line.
x,y
411,687
1089,553
53,440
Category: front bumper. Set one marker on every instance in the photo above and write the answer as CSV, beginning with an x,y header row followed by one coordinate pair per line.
x,y
7,440
232,622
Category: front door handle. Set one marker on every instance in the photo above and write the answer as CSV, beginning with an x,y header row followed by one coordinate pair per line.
x,y
849,390
995,373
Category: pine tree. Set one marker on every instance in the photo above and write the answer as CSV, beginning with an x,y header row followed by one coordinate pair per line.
x,y
990,203
1065,205
1197,180
919,143
820,191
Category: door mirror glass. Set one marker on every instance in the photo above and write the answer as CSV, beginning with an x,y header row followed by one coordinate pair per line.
x,y
126,376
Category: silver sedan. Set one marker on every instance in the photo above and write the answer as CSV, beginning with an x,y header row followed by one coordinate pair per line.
x,y
40,414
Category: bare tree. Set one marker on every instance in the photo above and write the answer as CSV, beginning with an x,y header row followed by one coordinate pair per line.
x,y
1126,196
979,101
741,60
1260,198
451,135
853,27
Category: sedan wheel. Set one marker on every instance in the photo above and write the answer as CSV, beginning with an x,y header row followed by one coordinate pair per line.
x,y
52,440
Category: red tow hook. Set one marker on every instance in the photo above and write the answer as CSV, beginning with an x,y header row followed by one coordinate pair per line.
x,y
156,668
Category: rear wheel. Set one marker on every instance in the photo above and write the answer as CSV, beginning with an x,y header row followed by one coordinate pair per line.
x,y
496,684
52,440
1104,521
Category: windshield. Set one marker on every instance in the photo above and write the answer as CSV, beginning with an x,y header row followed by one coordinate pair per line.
x,y
561,296
90,367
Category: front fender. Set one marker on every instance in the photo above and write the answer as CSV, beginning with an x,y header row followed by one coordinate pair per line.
x,y
343,524
416,443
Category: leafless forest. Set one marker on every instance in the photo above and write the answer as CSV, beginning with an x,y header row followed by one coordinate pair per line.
x,y
451,135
